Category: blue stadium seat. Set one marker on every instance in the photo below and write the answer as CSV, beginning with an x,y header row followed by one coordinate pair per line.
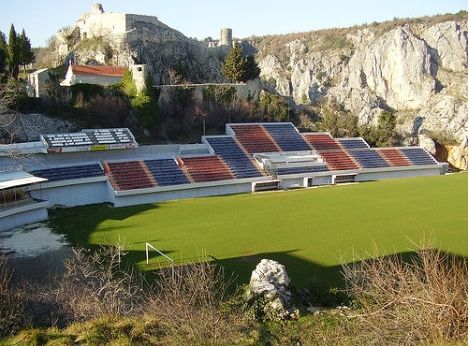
x,y
287,137
70,172
353,143
166,172
368,158
229,150
418,156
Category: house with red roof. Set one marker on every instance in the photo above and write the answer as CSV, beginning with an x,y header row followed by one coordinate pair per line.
x,y
101,75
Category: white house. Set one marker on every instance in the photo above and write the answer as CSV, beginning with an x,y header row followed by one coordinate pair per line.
x,y
37,83
101,75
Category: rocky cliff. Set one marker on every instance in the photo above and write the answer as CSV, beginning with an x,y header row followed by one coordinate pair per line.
x,y
415,68
126,39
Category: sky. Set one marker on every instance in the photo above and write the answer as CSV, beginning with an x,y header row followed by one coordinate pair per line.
x,y
203,18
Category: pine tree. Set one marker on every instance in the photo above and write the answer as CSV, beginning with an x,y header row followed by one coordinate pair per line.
x,y
13,52
3,52
234,66
251,69
25,52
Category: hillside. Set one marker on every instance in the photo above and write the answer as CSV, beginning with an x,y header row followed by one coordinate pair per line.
x,y
122,39
415,68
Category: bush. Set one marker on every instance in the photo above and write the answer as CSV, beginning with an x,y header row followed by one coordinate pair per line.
x,y
11,307
188,306
94,285
420,301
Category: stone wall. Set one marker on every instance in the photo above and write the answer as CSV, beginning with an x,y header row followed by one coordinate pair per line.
x,y
251,90
102,24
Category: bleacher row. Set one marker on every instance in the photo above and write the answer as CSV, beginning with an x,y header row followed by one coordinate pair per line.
x,y
232,159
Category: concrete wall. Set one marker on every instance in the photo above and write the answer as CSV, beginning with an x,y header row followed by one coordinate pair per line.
x,y
100,80
74,193
250,89
415,172
203,191
37,83
23,215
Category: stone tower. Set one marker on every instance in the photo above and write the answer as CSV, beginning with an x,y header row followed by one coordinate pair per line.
x,y
226,37
97,8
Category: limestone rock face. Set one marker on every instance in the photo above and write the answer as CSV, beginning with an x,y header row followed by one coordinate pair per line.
x,y
271,285
457,155
418,70
272,69
449,42
396,67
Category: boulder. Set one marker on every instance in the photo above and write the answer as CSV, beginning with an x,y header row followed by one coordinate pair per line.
x,y
270,287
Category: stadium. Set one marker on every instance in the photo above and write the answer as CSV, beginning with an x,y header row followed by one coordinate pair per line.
x,y
108,165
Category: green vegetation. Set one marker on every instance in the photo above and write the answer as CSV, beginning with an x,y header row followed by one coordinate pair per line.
x,y
311,231
145,105
3,52
238,68
273,106
383,135
13,52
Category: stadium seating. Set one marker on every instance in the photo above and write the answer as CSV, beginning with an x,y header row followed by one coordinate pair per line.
x,y
206,168
352,143
418,156
299,170
254,138
70,172
321,141
166,172
368,158
129,175
338,160
287,137
240,164
394,157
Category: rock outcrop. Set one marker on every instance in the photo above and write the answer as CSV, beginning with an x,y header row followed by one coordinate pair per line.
x,y
126,39
28,127
418,70
270,286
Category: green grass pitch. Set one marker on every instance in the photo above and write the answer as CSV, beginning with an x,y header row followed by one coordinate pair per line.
x,y
311,231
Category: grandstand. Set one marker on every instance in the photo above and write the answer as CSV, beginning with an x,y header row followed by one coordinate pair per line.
x,y
108,165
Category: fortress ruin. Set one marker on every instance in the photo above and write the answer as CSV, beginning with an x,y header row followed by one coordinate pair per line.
x,y
99,23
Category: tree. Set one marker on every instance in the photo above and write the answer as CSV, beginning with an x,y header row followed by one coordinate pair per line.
x,y
251,69
234,66
3,52
13,53
26,55
145,105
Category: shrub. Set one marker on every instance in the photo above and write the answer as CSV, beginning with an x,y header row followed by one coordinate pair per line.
x,y
188,306
94,285
420,301
11,307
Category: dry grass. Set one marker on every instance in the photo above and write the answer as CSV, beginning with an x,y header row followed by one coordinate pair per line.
x,y
189,306
416,302
94,285
11,307
423,300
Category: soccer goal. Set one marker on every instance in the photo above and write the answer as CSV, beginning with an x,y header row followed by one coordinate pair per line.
x,y
149,247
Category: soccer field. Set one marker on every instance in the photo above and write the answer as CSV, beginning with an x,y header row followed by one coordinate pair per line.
x,y
311,231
